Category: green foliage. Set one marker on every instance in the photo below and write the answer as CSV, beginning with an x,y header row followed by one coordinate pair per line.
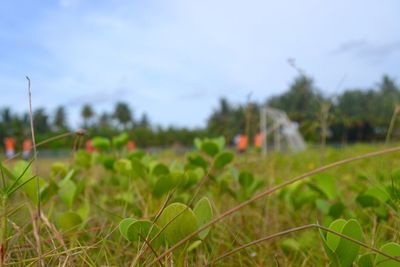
x,y
391,249
179,221
120,141
138,230
342,252
69,220
123,166
223,159
101,143
203,212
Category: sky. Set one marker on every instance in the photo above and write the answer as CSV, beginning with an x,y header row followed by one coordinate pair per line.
x,y
174,59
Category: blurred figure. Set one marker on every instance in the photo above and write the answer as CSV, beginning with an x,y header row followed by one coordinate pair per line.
x,y
89,146
258,140
131,145
26,148
241,145
9,144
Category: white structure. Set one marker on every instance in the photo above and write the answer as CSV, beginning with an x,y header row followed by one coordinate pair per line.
x,y
275,122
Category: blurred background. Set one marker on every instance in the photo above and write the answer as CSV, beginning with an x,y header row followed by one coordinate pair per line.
x,y
166,72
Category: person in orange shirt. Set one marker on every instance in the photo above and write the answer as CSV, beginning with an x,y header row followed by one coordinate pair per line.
x,y
26,148
258,141
89,146
131,145
9,144
241,144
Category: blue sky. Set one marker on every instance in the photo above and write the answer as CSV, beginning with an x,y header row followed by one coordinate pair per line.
x,y
174,59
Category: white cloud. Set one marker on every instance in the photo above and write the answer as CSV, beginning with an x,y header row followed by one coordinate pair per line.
x,y
169,57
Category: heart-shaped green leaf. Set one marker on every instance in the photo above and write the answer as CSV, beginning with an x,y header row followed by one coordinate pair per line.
x,y
159,170
204,214
179,221
341,251
392,249
138,230
223,159
210,148
197,160
164,184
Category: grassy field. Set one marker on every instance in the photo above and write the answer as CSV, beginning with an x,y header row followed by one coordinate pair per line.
x,y
85,197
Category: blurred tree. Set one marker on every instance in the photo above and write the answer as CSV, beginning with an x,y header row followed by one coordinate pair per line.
x,y
144,121
301,102
87,113
40,121
123,114
60,119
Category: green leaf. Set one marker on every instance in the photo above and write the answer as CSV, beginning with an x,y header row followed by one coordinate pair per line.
x,y
327,185
197,160
392,249
120,141
67,192
367,201
137,230
84,210
378,193
107,161
290,245
179,220
210,148
366,260
101,143
333,258
341,251
332,239
58,169
223,159
323,205
69,220
220,142
198,143
347,250
137,154
49,190
246,179
123,166
336,210
204,214
163,185
194,245
159,170
139,170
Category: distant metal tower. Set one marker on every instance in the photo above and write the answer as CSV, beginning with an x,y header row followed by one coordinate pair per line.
x,y
285,132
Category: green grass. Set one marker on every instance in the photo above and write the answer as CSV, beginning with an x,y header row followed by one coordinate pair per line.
x,y
112,195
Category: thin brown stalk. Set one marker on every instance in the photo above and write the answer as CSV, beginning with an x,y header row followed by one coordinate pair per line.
x,y
272,190
36,219
392,121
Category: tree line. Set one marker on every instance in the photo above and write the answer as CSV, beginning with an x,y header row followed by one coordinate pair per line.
x,y
354,115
